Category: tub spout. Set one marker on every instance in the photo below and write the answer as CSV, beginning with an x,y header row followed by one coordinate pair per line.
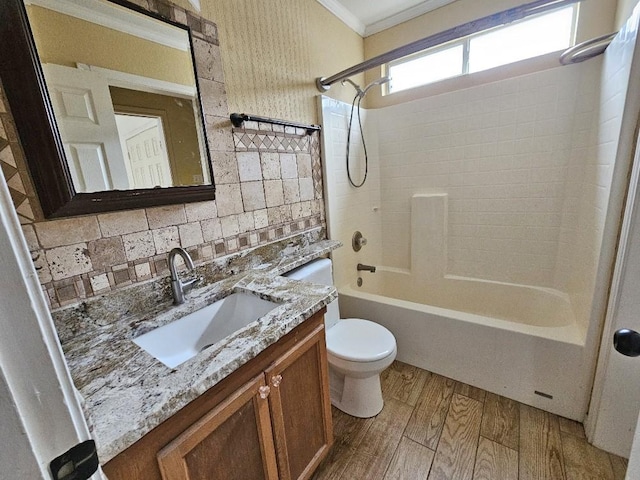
x,y
368,268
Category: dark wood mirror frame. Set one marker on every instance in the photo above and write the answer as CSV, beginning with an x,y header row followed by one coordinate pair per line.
x,y
26,91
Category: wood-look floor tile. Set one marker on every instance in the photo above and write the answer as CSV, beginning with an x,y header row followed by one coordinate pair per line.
x,y
495,462
497,439
383,436
425,425
572,427
348,433
470,391
619,466
583,461
404,382
411,461
334,465
540,455
348,430
501,420
456,453
363,466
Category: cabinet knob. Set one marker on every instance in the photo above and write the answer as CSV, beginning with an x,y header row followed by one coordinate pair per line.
x,y
264,391
276,380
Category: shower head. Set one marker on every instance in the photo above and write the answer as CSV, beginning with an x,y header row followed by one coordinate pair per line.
x,y
380,81
361,93
355,85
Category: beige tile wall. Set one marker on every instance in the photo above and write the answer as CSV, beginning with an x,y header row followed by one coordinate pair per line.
x,y
269,185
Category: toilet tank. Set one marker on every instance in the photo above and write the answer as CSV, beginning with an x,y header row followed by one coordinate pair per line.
x,y
318,271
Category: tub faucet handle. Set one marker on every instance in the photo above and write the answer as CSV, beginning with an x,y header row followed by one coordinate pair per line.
x,y
358,241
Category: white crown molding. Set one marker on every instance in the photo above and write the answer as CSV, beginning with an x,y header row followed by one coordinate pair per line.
x,y
405,15
335,7
119,18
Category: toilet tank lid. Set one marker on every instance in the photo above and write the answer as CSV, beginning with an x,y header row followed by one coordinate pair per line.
x,y
360,340
317,271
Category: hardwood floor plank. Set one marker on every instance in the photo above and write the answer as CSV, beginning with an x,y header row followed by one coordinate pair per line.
x,y
470,391
456,453
383,436
425,425
540,455
501,420
572,427
411,461
583,461
404,382
619,466
495,462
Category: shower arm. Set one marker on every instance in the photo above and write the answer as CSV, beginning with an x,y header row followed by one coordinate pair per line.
x,y
501,18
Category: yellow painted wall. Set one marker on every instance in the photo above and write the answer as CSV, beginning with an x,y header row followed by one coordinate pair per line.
x,y
272,51
625,7
596,18
67,40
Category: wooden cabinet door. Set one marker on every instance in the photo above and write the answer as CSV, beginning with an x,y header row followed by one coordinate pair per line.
x,y
300,407
233,441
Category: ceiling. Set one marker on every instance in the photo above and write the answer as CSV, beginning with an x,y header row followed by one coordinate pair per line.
x,y
367,17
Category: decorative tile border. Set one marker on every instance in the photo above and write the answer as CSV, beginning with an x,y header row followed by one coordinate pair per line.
x,y
253,138
13,165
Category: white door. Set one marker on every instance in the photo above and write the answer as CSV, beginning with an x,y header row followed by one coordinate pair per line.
x,y
633,470
40,417
148,158
87,123
615,400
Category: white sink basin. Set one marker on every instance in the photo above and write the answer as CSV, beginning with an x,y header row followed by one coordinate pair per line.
x,y
183,339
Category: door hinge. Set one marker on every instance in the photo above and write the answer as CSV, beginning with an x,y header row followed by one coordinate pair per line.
x,y
78,463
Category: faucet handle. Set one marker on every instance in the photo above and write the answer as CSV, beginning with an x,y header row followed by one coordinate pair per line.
x,y
186,285
358,241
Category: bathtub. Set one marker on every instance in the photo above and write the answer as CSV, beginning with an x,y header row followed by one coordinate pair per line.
x,y
517,341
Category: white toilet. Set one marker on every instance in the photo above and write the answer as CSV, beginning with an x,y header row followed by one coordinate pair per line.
x,y
357,350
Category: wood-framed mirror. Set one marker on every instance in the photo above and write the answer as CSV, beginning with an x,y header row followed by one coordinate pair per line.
x,y
62,180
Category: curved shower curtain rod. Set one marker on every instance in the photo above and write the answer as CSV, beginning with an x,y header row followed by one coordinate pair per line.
x,y
586,50
490,21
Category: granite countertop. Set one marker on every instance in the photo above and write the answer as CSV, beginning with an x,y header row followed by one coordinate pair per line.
x,y
127,392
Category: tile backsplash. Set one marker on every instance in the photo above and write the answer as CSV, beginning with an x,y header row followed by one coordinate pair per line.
x,y
268,186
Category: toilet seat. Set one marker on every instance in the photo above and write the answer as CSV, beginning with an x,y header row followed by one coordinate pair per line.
x,y
358,340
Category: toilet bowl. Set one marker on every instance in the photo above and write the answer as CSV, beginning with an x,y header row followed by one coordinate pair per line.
x,y
357,351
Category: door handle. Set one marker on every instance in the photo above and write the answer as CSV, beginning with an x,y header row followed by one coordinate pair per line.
x,y
627,342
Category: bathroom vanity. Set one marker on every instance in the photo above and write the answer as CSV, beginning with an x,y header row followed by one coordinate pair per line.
x,y
269,419
252,405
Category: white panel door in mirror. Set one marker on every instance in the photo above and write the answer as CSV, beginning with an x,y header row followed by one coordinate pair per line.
x,y
87,123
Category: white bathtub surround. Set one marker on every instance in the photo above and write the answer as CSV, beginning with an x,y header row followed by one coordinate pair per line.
x,y
429,235
348,208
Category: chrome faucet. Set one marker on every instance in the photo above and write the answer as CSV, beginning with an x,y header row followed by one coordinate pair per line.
x,y
178,287
368,268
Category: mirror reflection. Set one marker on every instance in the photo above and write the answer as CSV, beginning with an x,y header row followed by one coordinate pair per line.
x,y
124,94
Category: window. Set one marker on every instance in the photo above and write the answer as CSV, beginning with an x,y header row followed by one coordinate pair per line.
x,y
531,37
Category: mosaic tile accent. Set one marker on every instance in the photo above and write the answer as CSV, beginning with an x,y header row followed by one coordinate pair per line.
x,y
253,140
10,153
